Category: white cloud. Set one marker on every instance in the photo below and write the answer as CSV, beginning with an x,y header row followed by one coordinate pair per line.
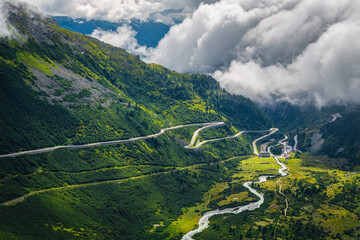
x,y
100,9
209,38
4,26
327,71
7,6
123,37
115,11
295,50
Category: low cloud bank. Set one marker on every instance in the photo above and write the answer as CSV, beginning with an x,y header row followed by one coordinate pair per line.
x,y
326,72
123,37
4,26
166,11
99,9
8,6
301,51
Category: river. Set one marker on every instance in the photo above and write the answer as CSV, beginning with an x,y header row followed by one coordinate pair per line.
x,y
204,220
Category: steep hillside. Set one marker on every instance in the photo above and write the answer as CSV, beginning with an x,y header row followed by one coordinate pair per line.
x,y
341,137
331,130
98,91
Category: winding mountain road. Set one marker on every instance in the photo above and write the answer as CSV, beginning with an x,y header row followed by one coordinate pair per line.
x,y
192,144
204,221
162,131
272,131
196,133
264,146
284,143
198,145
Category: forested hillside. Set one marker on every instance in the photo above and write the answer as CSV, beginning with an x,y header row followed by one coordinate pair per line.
x,y
333,128
342,136
97,91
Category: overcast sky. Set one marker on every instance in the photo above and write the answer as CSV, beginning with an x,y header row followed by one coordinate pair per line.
x,y
295,50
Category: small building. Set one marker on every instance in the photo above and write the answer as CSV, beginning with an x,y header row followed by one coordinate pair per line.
x,y
264,155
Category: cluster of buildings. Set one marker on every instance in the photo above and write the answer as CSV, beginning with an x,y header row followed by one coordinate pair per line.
x,y
286,151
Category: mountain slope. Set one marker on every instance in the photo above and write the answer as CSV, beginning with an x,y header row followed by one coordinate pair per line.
x,y
59,87
103,91
330,130
341,136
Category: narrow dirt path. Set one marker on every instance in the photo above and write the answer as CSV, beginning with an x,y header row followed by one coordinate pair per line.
x,y
22,198
284,173
286,200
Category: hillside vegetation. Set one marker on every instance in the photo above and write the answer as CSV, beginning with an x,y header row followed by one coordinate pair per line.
x,y
63,88
335,128
60,87
323,204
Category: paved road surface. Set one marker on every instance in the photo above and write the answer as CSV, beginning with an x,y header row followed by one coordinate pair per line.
x,y
192,144
295,144
206,125
196,133
211,124
204,221
273,130
263,147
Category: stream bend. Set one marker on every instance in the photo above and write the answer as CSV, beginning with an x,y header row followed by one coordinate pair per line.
x,y
204,220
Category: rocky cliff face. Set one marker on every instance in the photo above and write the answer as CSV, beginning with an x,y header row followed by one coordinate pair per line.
x,y
25,19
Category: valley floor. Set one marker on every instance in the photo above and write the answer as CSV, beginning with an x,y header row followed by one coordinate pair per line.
x,y
165,189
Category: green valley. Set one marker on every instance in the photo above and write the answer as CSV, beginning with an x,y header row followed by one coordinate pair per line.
x,y
97,144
